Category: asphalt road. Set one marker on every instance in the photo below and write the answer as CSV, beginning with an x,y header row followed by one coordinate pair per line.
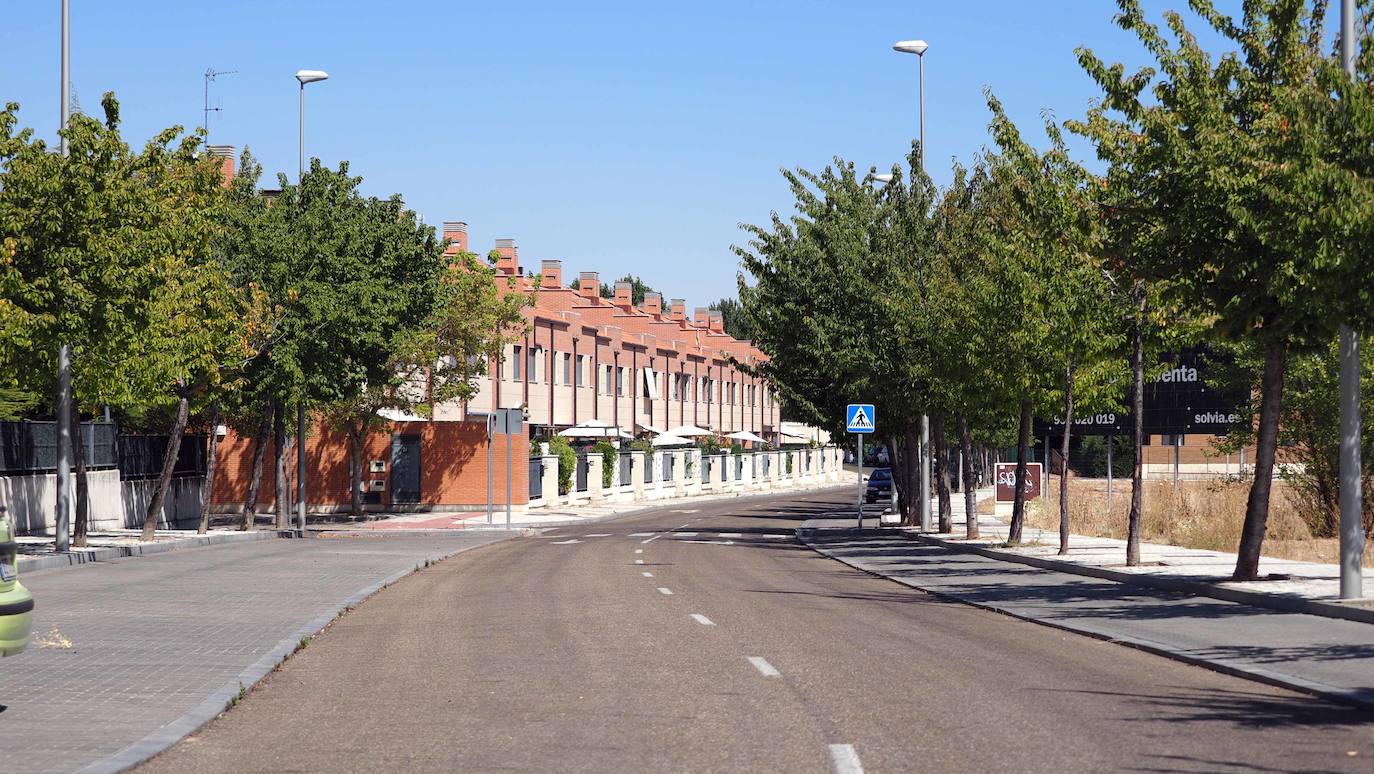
x,y
735,649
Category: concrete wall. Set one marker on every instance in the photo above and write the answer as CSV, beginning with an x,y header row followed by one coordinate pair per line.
x,y
31,500
180,508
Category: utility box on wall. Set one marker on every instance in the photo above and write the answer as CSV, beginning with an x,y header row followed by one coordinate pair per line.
x,y
377,466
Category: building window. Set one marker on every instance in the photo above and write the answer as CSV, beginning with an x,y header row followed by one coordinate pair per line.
x,y
581,369
532,364
515,364
567,368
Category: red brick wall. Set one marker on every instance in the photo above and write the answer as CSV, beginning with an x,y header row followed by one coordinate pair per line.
x,y
453,460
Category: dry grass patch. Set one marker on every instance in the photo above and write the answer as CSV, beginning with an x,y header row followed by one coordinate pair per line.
x,y
1196,514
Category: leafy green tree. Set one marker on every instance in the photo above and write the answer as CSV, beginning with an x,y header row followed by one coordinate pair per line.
x,y
1256,211
107,250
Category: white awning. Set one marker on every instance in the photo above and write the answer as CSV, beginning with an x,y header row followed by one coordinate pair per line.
x,y
650,383
667,439
648,428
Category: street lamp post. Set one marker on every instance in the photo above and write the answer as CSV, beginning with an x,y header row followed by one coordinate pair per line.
x,y
62,518
1352,531
304,76
918,47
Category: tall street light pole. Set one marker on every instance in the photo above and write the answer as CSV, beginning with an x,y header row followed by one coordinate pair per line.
x,y
62,518
304,76
1352,531
918,47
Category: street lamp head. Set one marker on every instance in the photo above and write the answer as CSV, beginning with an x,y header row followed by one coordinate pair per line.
x,y
917,47
310,76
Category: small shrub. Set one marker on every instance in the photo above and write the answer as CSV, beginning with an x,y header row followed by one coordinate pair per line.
x,y
608,454
567,462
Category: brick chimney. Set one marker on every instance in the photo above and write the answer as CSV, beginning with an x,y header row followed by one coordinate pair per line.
x,y
702,317
677,309
589,285
456,232
653,304
624,294
509,262
717,321
225,154
552,272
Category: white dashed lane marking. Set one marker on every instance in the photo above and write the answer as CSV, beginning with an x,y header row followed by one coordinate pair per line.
x,y
640,534
639,550
766,669
599,534
665,592
564,542
845,759
647,574
703,620
639,561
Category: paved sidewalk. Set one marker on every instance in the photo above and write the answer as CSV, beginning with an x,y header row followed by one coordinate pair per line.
x,y
38,552
1306,587
130,655
1329,657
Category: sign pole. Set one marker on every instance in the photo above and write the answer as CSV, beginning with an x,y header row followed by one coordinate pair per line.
x,y
508,451
491,463
1109,474
861,480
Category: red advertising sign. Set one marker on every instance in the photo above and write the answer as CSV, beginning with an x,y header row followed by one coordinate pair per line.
x,y
1006,481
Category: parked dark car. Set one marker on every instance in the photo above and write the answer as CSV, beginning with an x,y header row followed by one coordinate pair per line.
x,y
879,485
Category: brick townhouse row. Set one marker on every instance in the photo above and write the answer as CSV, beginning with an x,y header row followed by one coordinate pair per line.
x,y
644,369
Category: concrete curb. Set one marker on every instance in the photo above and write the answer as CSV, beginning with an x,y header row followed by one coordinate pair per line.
x,y
1198,587
218,702
80,556
1359,698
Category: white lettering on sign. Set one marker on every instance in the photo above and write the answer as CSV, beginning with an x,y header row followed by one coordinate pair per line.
x,y
1008,478
1215,417
1180,374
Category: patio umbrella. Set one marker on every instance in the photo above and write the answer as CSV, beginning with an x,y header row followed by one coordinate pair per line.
x,y
593,428
667,439
745,435
688,431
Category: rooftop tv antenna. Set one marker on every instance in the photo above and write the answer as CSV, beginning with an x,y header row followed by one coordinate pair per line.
x,y
210,74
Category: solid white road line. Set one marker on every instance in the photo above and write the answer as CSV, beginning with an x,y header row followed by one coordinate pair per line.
x,y
845,760
564,542
729,534
687,510
712,542
703,620
685,534
647,574
652,539
640,534
665,592
599,534
765,668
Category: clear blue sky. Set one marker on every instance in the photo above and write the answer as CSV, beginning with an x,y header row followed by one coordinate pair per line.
x,y
617,136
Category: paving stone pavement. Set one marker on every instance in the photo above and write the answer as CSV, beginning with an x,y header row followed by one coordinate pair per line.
x,y
124,650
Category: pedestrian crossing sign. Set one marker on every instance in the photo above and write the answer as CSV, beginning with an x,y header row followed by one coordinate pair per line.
x,y
860,418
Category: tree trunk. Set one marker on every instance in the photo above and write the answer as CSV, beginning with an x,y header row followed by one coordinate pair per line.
x,y
911,461
1138,429
250,503
212,457
970,481
946,514
1266,447
164,478
82,515
1018,508
279,464
1064,459
355,449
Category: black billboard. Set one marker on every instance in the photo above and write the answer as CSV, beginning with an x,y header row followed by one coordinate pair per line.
x,y
1178,402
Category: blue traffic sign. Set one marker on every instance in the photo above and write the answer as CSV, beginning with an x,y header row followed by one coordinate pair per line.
x,y
860,418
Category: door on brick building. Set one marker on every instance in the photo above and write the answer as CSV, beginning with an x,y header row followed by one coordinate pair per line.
x,y
405,469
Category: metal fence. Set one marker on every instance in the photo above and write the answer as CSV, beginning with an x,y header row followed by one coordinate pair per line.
x,y
580,478
626,463
31,447
739,467
706,468
141,456
536,478
667,466
649,469
767,464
